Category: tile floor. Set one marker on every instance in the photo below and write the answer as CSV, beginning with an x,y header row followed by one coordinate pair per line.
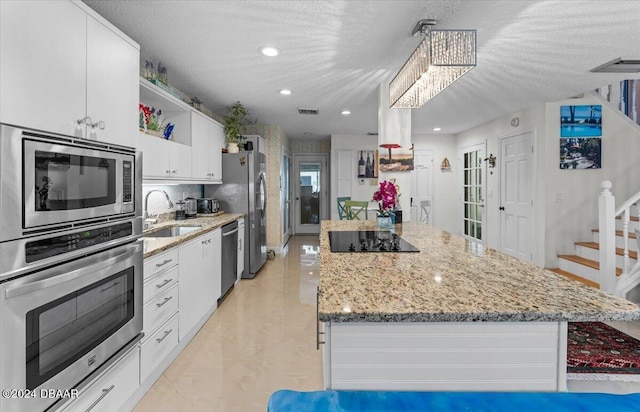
x,y
262,338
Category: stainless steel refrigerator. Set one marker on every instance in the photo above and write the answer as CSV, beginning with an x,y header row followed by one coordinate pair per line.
x,y
244,191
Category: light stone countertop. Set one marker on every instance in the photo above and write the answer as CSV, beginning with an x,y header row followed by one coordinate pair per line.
x,y
451,279
155,245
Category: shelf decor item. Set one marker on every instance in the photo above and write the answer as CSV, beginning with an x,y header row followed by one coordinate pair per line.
x,y
150,122
234,126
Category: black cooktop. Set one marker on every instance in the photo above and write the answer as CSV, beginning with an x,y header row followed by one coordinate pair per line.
x,y
367,241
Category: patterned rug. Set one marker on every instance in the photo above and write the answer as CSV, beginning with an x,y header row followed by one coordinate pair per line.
x,y
596,351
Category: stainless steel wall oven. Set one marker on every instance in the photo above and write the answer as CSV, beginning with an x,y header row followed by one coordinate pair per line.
x,y
70,260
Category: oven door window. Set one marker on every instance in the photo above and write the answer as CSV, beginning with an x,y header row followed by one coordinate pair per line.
x,y
62,331
65,181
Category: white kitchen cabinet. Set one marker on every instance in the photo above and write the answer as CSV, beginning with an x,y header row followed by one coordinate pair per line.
x,y
207,140
240,249
158,346
112,85
200,277
110,391
164,159
61,64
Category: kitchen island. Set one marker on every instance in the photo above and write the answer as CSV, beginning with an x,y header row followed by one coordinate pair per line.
x,y
454,316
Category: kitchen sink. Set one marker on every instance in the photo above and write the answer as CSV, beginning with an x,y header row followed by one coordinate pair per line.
x,y
173,231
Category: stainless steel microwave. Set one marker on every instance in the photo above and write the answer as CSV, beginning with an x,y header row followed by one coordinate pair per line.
x,y
55,182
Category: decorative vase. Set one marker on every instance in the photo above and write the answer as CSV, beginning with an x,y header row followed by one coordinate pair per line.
x,y
384,222
232,148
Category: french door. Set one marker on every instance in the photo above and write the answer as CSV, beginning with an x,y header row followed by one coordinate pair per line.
x,y
285,195
422,187
311,192
473,202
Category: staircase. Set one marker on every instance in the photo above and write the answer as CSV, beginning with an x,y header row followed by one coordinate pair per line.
x,y
610,260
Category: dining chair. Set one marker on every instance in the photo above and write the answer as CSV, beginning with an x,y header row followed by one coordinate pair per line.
x,y
342,211
356,209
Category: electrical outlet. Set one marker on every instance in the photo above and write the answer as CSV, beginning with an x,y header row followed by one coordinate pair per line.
x,y
362,181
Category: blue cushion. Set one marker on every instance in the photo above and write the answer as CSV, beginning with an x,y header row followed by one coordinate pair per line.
x,y
358,401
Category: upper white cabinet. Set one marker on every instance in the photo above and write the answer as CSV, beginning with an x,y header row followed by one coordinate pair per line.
x,y
112,85
207,141
164,159
64,69
195,152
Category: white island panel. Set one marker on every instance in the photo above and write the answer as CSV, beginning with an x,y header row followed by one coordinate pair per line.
x,y
486,356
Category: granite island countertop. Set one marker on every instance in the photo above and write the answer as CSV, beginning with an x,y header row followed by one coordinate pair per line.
x,y
451,279
155,245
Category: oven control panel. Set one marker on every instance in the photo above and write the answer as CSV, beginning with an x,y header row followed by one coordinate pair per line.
x,y
127,181
58,245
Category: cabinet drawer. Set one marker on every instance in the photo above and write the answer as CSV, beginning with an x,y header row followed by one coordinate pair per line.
x,y
111,390
159,283
159,263
161,343
159,309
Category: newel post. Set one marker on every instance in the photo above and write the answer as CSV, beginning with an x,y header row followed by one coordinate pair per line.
x,y
607,226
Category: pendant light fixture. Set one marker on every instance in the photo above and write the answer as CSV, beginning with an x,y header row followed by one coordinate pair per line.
x,y
439,60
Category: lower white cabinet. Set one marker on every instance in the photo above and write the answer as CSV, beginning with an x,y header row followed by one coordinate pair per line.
x,y
158,346
200,278
112,389
240,248
160,308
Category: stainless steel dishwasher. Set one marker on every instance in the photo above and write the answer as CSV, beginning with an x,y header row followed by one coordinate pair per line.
x,y
229,256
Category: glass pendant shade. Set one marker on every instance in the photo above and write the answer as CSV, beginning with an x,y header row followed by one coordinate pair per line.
x,y
440,59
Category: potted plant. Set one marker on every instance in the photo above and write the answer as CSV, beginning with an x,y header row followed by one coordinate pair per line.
x,y
234,126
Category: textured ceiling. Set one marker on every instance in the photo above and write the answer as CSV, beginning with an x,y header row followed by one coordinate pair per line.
x,y
334,55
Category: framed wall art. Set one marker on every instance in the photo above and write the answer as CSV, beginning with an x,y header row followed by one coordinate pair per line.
x,y
581,137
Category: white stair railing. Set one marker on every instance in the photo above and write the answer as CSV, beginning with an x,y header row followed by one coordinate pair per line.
x,y
607,225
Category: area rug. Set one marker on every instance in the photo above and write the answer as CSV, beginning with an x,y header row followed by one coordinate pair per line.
x,y
596,351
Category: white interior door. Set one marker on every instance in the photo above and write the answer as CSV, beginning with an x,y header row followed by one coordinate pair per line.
x,y
516,196
311,192
422,187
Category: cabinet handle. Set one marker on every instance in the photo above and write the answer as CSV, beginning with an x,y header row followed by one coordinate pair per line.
x,y
318,333
166,282
105,392
163,263
85,120
174,172
164,301
168,172
99,124
166,333
109,287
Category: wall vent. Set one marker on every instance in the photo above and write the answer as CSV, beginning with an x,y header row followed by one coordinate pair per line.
x,y
308,111
619,66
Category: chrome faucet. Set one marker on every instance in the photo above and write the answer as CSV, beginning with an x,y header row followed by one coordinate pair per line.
x,y
146,205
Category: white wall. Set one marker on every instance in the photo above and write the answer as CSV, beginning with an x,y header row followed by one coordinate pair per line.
x,y
445,196
531,120
572,195
565,201
358,191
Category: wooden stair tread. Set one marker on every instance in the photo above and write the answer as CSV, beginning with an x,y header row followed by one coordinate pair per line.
x,y
619,233
631,218
619,251
586,262
576,277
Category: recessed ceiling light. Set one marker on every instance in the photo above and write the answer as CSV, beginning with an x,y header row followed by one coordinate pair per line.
x,y
346,112
269,51
286,92
436,129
